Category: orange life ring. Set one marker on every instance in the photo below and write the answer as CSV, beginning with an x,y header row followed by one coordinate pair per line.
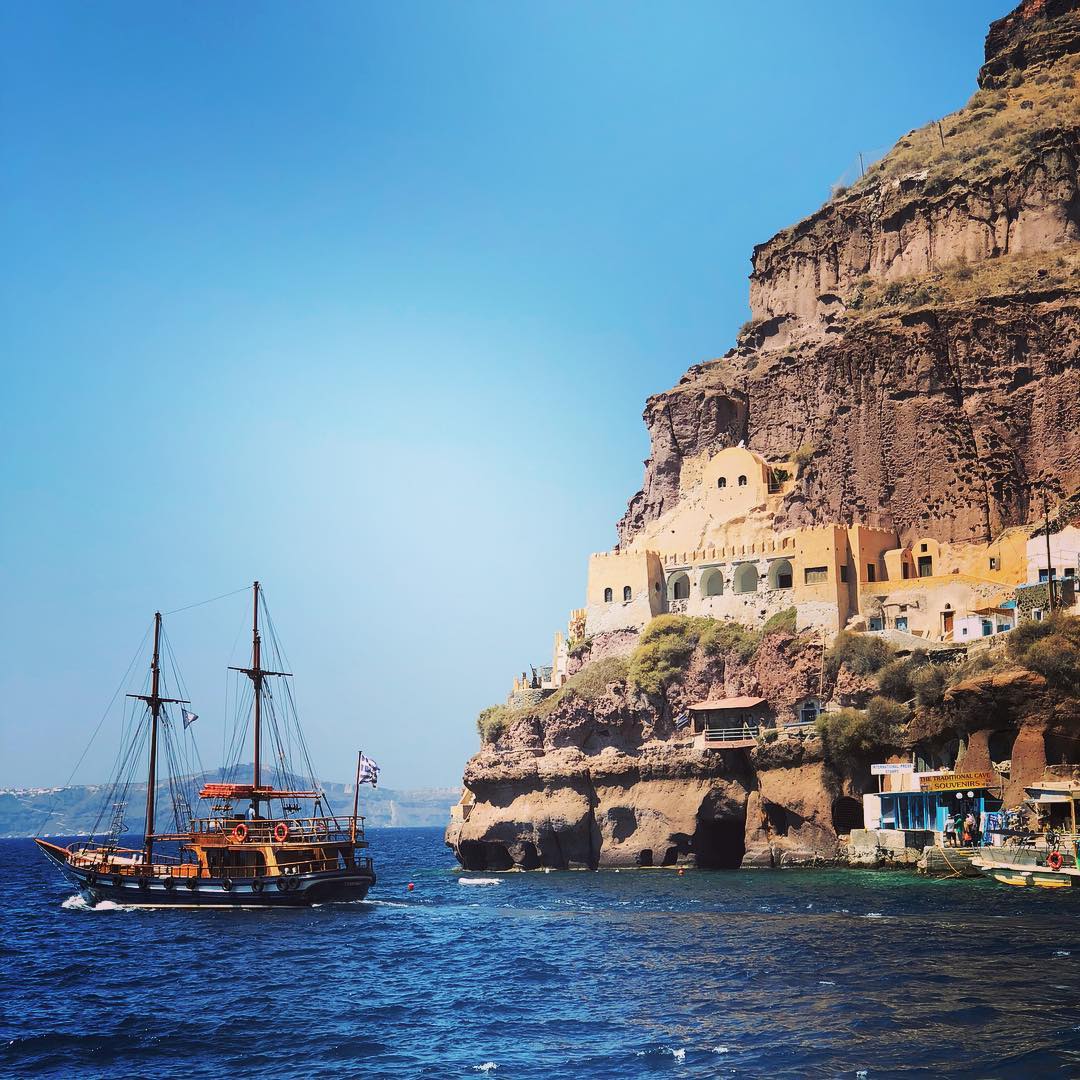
x,y
1054,860
281,832
240,832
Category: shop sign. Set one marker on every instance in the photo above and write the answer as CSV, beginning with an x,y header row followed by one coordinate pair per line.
x,y
892,768
958,781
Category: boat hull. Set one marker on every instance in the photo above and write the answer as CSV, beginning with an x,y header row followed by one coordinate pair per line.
x,y
293,891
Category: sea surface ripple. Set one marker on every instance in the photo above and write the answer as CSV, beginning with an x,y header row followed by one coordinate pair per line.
x,y
586,975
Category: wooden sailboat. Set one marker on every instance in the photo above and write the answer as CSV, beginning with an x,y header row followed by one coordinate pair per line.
x,y
257,847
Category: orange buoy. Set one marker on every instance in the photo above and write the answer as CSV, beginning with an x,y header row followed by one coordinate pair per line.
x,y
240,832
281,832
681,871
411,886
1055,860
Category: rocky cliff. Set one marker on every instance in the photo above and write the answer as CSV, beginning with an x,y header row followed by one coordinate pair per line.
x,y
914,350
919,331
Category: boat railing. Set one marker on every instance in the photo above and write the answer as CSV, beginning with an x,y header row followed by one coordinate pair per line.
x,y
314,830
195,872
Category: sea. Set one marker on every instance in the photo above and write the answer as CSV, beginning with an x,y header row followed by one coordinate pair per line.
x,y
794,973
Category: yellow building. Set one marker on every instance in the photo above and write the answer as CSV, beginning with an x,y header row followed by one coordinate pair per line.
x,y
716,552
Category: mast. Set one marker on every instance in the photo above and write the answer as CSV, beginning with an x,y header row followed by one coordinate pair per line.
x,y
154,700
356,797
256,677
257,673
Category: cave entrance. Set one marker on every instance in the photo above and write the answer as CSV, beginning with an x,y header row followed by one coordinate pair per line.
x,y
719,844
484,855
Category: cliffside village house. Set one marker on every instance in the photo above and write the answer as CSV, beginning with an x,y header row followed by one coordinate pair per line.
x,y
717,553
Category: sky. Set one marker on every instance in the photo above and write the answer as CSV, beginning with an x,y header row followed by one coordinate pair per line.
x,y
365,301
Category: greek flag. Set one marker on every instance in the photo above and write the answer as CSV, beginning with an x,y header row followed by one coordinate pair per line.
x,y
682,721
369,771
189,718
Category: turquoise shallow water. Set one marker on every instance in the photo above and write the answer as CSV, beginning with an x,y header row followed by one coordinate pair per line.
x,y
591,975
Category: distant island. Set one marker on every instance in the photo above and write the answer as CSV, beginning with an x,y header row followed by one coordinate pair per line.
x,y
75,808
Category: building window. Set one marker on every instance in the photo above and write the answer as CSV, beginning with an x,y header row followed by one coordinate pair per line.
x,y
876,623
608,596
926,565
993,562
1043,573
680,587
1069,571
813,575
722,482
1036,614
871,572
742,481
843,572
901,622
923,547
712,582
627,593
781,576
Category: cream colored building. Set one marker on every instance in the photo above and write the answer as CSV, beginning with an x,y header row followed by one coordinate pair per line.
x,y
716,552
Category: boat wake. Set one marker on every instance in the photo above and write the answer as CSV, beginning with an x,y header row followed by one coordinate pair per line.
x,y
78,902
478,881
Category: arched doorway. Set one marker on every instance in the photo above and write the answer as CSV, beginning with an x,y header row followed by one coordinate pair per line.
x,y
781,576
712,582
746,578
679,587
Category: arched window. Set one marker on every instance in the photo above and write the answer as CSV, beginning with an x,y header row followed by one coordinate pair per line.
x,y
746,578
722,482
780,574
608,596
712,582
742,481
627,593
679,587
808,711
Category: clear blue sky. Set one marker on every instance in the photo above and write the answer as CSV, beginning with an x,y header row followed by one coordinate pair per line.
x,y
365,301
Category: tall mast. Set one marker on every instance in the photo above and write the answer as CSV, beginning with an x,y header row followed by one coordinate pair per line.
x,y
256,673
256,677
155,701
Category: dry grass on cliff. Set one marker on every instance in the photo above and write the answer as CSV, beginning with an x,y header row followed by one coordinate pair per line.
x,y
996,131
1007,275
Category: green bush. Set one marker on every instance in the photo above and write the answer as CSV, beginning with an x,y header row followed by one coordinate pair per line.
x,y
853,733
589,684
861,654
664,651
930,683
895,679
782,622
579,647
1057,659
493,722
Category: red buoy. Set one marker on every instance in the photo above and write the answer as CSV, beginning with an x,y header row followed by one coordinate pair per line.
x,y
411,886
681,871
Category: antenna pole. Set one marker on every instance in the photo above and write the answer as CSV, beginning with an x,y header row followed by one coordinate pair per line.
x,y
356,797
1049,559
256,678
155,709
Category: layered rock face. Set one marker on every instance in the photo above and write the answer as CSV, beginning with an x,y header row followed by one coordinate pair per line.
x,y
932,406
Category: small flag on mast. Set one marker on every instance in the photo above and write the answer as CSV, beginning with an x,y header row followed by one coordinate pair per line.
x,y
369,771
189,718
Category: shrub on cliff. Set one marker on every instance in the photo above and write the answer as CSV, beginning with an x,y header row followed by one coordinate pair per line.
x,y
590,683
852,733
783,622
664,651
493,722
861,654
720,637
896,679
930,683
1051,648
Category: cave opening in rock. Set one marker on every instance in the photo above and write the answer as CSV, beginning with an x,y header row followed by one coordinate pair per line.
x,y
484,855
645,857
719,844
847,814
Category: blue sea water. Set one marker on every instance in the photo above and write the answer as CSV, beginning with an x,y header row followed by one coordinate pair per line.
x,y
583,975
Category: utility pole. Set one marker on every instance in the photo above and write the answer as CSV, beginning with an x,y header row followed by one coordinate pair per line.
x,y
941,135
862,170
1049,561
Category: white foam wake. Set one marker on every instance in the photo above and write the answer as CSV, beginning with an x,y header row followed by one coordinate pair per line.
x,y
478,881
78,902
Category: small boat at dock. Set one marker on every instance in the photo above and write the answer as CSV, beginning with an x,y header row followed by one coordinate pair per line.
x,y
259,844
1048,856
